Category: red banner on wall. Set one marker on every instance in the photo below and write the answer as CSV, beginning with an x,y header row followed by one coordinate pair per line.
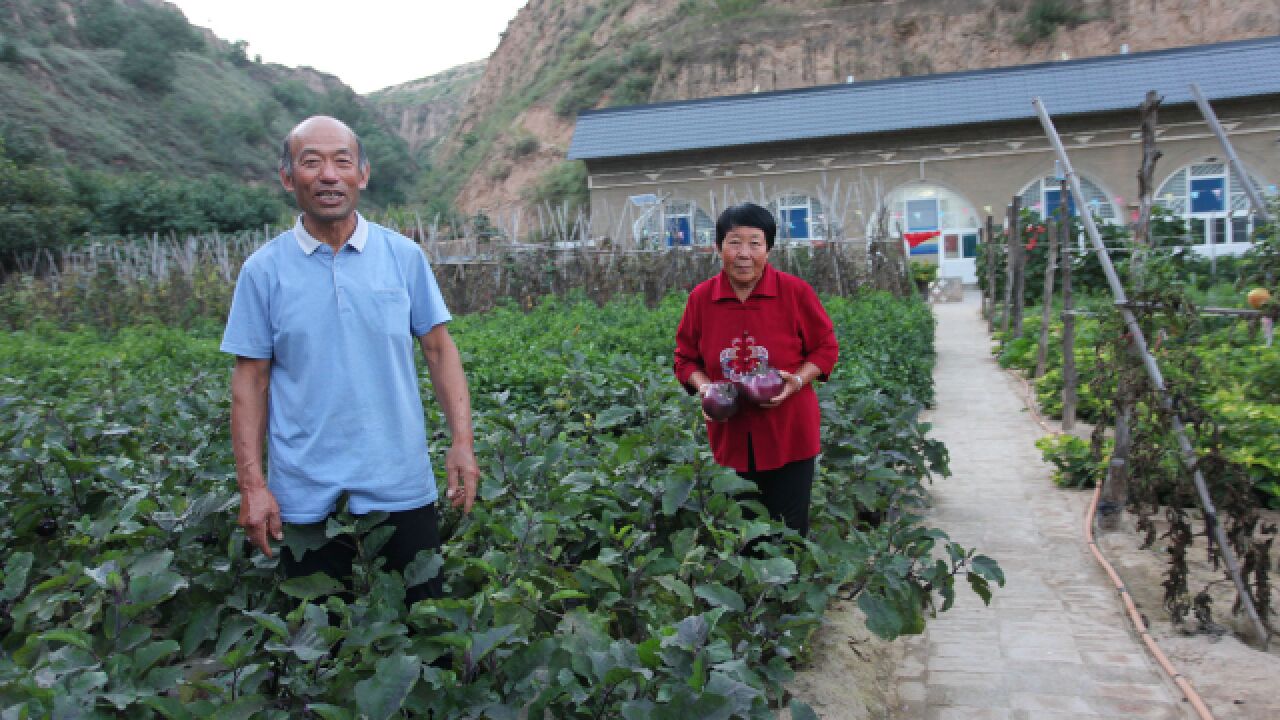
x,y
915,238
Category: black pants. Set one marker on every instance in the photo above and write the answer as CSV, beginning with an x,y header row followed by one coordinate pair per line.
x,y
784,491
415,530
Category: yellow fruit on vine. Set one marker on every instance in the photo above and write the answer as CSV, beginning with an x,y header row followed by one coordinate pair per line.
x,y
1258,297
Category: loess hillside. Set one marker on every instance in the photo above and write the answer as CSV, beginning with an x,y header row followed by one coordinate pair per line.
x,y
562,56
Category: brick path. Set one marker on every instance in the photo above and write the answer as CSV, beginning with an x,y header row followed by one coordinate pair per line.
x,y
1055,643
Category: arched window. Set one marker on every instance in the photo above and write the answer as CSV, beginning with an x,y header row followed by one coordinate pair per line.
x,y
921,207
800,218
1044,195
677,223
1211,198
937,225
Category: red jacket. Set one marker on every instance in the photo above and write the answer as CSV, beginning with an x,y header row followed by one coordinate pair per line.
x,y
784,317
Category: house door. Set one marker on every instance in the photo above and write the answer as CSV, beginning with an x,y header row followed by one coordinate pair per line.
x,y
679,230
958,255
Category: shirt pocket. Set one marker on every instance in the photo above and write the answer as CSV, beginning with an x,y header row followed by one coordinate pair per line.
x,y
393,310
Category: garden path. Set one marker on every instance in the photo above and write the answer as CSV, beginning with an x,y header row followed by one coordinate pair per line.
x,y
1054,643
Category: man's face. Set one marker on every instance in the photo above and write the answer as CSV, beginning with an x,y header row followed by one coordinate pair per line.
x,y
327,178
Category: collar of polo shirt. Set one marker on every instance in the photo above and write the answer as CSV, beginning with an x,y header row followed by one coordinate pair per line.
x,y
309,243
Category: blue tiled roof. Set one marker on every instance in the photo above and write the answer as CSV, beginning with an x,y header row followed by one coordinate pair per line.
x,y
1226,70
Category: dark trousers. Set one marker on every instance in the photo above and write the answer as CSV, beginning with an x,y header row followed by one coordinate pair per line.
x,y
415,530
784,491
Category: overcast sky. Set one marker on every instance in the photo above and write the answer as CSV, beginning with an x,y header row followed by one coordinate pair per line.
x,y
369,44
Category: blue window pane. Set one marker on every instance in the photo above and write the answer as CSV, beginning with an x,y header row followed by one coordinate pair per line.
x,y
1208,195
1053,200
970,245
922,215
796,223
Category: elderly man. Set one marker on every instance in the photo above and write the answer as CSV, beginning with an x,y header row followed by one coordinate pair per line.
x,y
322,326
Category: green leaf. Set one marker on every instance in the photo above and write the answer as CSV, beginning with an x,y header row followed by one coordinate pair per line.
x,y
987,568
380,696
330,712
78,638
801,711
244,708
147,591
980,587
568,595
271,622
719,595
151,563
15,575
149,654
170,708
675,492
648,652
483,642
882,618
614,415
423,568
311,586
774,570
601,572
302,539
678,587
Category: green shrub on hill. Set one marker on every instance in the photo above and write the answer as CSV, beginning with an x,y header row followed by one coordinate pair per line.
x,y
37,209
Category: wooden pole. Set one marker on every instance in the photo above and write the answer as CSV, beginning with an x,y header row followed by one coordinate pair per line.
x,y
1139,345
1046,308
1008,269
1019,269
1068,327
1255,198
989,248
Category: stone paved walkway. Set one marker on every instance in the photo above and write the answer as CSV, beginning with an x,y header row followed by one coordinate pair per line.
x,y
1055,643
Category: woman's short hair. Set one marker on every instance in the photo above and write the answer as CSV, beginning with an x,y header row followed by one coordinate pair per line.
x,y
746,215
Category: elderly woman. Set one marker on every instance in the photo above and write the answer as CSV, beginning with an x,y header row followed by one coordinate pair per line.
x,y
747,315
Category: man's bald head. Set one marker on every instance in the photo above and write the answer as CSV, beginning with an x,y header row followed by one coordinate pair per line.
x,y
286,148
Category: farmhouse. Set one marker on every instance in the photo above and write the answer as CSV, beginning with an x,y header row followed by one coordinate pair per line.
x,y
940,152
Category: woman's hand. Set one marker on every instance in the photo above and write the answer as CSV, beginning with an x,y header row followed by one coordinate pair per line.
x,y
792,384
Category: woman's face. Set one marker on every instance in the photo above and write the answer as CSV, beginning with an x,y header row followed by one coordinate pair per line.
x,y
744,253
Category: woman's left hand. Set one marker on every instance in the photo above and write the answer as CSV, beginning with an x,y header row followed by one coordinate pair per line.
x,y
793,383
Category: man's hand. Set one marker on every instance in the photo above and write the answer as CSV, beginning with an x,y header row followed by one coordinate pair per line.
x,y
260,516
463,474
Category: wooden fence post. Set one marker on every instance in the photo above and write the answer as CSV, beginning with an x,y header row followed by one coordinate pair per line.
x,y
989,252
1046,309
1008,269
1019,268
1068,327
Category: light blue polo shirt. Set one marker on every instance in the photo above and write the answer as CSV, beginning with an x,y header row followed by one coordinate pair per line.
x,y
345,413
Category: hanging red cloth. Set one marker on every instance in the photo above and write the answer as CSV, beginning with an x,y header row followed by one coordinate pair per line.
x,y
915,238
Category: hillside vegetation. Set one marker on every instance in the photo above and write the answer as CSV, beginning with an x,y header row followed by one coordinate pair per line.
x,y
103,94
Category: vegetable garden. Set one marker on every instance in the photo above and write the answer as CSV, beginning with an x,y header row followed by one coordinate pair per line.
x,y
1222,372
602,573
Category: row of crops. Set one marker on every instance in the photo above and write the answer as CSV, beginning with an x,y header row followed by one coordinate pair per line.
x,y
1221,366
602,573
